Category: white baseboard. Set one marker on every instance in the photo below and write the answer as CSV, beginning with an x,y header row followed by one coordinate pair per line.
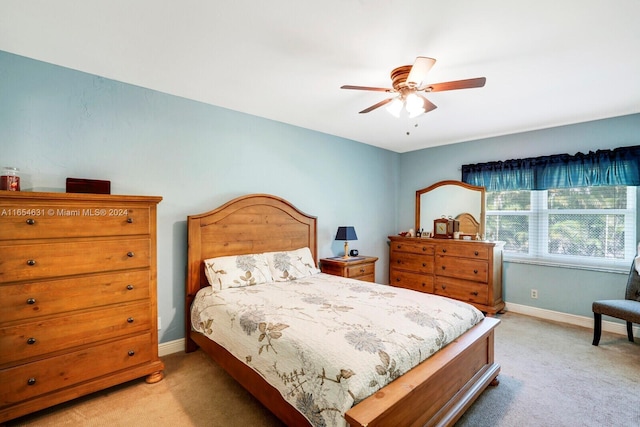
x,y
572,319
170,347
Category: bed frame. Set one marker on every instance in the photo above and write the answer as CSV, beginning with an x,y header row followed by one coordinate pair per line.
x,y
436,392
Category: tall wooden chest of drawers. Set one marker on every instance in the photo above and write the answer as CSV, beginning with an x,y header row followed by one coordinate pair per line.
x,y
469,271
78,306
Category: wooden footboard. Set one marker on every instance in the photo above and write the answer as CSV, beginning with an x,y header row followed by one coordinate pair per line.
x,y
436,392
439,390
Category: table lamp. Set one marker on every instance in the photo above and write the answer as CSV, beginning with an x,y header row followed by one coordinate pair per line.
x,y
346,233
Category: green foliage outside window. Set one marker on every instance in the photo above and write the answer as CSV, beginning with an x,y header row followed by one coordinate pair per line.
x,y
593,222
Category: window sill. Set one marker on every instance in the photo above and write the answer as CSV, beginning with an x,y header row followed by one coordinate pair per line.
x,y
568,265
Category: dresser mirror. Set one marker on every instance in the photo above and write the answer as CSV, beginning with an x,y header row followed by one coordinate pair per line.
x,y
453,199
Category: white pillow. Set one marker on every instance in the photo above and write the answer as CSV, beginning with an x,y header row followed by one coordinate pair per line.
x,y
237,270
291,265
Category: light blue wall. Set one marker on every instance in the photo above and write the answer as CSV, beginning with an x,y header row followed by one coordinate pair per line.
x,y
559,289
57,123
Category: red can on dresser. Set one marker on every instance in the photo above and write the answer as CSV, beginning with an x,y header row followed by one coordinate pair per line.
x,y
10,179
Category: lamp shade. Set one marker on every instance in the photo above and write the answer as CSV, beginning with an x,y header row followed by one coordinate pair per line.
x,y
346,233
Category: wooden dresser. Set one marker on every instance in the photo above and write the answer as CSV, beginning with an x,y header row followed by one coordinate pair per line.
x,y
78,306
469,271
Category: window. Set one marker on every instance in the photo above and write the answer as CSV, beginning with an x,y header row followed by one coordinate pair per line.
x,y
584,226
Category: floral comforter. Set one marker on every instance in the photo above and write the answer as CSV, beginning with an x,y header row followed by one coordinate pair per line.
x,y
327,342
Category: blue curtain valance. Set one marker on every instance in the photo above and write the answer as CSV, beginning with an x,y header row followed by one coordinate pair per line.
x,y
620,166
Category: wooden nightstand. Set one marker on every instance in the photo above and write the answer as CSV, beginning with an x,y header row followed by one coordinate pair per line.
x,y
360,267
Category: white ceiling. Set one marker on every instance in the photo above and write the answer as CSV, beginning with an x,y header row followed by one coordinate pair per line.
x,y
547,62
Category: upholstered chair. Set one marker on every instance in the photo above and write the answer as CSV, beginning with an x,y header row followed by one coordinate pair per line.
x,y
627,309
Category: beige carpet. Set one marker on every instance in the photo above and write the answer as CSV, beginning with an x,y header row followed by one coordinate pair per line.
x,y
551,376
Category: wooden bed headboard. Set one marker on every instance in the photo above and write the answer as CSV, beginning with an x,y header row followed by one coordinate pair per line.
x,y
250,224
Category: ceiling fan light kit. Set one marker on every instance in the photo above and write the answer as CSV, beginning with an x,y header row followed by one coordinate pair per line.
x,y
407,81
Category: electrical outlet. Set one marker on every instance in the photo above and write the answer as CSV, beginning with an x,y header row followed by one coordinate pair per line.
x,y
534,293
159,323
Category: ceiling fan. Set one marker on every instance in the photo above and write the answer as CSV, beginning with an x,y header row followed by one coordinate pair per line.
x,y
407,82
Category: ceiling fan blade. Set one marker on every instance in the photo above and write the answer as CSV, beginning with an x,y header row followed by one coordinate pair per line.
x,y
375,89
379,104
428,105
457,84
419,70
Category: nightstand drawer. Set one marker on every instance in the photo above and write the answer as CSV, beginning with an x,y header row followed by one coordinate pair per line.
x,y
360,270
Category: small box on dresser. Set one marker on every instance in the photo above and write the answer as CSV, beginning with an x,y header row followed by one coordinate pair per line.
x,y
78,291
466,270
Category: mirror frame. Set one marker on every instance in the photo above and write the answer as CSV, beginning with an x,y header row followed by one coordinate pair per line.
x,y
470,187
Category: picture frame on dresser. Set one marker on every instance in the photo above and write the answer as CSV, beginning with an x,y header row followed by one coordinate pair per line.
x,y
78,285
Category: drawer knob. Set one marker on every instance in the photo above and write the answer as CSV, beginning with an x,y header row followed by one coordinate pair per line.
x,y
476,253
31,381
130,254
130,220
444,286
444,250
444,267
397,279
130,320
31,262
424,249
31,221
399,246
31,301
362,270
475,294
31,341
475,271
131,352
130,287
424,264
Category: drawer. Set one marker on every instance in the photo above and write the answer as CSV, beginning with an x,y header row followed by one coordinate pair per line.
x,y
357,271
462,290
44,260
462,268
416,247
31,339
414,281
37,299
464,250
33,379
414,262
33,221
